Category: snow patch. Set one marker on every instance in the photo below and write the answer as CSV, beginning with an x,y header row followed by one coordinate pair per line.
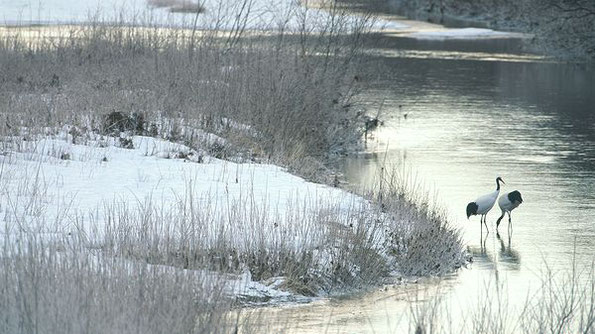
x,y
218,15
461,33
51,186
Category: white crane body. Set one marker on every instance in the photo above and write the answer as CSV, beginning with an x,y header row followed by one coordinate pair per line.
x,y
486,202
508,202
482,205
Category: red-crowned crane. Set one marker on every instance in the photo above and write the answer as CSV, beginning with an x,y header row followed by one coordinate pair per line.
x,y
508,202
484,204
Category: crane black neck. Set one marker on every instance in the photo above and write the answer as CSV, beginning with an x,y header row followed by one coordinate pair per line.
x,y
498,183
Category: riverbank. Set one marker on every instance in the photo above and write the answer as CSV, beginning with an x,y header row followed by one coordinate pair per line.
x,y
560,31
138,161
91,208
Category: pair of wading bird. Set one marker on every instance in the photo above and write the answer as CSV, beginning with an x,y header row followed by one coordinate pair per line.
x,y
507,202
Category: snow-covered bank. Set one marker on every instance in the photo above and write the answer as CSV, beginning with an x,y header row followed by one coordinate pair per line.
x,y
54,187
102,171
264,15
268,235
255,15
461,33
259,15
270,15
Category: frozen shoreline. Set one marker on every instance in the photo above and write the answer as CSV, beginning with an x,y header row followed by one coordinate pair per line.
x,y
158,204
264,15
254,15
137,197
80,183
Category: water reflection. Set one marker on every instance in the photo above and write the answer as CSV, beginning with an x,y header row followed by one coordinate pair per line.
x,y
480,255
509,255
468,122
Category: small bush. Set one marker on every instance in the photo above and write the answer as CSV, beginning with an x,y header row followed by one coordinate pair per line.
x,y
178,6
126,143
421,239
117,122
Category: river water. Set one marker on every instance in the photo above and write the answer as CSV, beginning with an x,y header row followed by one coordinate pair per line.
x,y
457,114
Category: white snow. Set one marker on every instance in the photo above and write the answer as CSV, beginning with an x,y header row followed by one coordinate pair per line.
x,y
99,172
220,15
264,15
50,186
460,33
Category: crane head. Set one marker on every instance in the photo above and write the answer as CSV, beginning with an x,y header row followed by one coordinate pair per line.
x,y
515,196
472,209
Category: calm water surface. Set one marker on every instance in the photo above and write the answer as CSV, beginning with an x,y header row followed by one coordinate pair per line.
x,y
470,118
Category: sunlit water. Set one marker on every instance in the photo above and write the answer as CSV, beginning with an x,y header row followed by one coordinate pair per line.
x,y
467,122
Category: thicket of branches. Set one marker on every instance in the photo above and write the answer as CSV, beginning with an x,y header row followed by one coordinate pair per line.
x,y
562,28
286,96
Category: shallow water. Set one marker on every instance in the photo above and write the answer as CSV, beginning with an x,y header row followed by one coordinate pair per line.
x,y
467,122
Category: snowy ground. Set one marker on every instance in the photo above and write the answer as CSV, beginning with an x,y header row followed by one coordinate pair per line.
x,y
460,33
164,171
53,187
220,15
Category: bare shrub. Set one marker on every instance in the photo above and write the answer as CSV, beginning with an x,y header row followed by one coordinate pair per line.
x,y
422,240
116,123
178,6
294,91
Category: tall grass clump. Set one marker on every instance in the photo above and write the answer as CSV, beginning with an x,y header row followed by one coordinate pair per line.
x,y
55,285
423,241
286,95
318,247
311,247
561,302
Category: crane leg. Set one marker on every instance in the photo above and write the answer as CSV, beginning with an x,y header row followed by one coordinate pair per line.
x,y
486,223
499,219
